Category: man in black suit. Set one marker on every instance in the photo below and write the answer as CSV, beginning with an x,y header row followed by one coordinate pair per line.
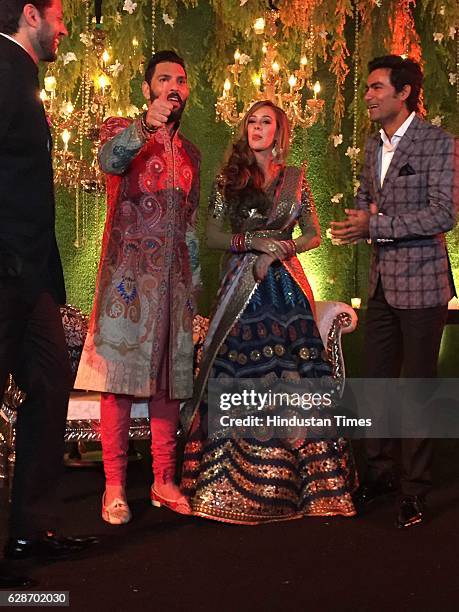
x,y
32,342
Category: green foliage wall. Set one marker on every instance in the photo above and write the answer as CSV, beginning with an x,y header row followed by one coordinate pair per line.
x,y
80,264
336,272
331,269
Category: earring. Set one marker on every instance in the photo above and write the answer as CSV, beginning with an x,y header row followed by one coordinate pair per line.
x,y
277,154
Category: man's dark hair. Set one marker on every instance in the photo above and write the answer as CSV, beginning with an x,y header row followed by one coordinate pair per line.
x,y
402,72
11,11
158,58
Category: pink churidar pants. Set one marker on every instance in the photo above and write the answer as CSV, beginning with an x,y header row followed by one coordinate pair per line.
x,y
115,415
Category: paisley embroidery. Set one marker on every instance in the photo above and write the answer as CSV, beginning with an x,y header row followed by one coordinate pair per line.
x,y
145,276
127,289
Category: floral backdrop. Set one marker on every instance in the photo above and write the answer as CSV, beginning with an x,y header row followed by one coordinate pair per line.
x,y
99,73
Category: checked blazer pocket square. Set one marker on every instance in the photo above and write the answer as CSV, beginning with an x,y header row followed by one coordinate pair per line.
x,y
406,170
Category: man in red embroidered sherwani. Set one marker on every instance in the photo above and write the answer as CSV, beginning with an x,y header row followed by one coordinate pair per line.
x,y
140,338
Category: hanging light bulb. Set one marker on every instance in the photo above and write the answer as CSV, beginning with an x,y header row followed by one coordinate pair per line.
x,y
65,139
102,82
316,89
292,81
50,83
68,108
259,25
105,57
237,56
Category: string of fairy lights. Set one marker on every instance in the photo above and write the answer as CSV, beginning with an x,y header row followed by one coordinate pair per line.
x,y
355,300
153,26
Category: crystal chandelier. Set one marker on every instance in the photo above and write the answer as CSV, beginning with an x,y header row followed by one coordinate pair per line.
x,y
76,124
77,107
272,82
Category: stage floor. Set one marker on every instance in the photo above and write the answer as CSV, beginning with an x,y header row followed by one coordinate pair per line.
x,y
162,561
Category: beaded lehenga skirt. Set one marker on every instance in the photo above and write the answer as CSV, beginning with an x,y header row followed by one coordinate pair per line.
x,y
250,481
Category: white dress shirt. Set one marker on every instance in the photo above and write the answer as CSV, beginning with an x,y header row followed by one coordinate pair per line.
x,y
389,145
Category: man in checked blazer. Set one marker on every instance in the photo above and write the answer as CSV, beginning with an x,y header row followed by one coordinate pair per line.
x,y
405,203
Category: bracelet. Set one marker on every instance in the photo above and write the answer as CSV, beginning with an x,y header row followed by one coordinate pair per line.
x,y
143,132
293,245
248,241
145,127
238,243
290,246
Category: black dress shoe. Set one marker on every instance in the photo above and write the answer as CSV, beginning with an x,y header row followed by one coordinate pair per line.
x,y
372,491
411,512
77,542
48,547
10,581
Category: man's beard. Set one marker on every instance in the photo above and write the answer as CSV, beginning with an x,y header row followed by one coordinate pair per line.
x,y
176,113
46,39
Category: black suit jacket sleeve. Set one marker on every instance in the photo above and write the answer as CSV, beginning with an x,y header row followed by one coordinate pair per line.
x,y
6,106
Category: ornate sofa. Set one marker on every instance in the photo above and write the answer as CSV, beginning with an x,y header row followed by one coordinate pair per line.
x,y
334,319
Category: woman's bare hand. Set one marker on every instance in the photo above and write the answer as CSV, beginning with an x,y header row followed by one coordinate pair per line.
x,y
270,246
261,266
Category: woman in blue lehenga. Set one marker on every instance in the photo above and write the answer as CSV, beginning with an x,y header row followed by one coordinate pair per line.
x,y
262,327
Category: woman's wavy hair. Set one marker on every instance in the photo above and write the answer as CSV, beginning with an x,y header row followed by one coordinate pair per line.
x,y
243,178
